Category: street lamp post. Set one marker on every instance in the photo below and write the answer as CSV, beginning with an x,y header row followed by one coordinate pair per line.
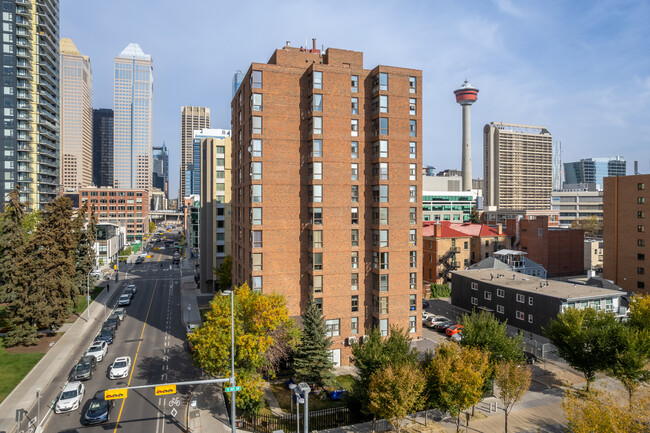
x,y
292,386
88,293
38,407
233,412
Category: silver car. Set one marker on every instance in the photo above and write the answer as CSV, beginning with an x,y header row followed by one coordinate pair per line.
x,y
70,398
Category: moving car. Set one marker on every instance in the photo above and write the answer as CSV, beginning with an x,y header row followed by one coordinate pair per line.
x,y
125,299
454,329
96,274
105,335
139,260
120,367
70,398
98,410
120,313
98,350
84,368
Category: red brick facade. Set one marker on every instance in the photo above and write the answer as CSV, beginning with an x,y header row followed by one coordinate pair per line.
x,y
127,207
294,229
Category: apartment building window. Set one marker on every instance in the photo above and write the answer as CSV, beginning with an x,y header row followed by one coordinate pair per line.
x,y
413,215
521,298
256,170
354,193
640,186
520,315
354,281
413,259
640,285
640,270
354,325
354,127
380,238
354,83
380,193
474,300
354,259
501,293
500,309
257,283
354,215
640,228
354,237
413,280
487,296
413,302
354,102
317,261
316,170
640,200
380,149
332,327
317,238
474,286
413,171
383,326
412,106
380,126
413,127
354,303
354,171
256,147
380,104
640,214
380,216
316,102
413,150
256,102
316,215
256,216
317,283
412,322
530,300
412,84
381,282
256,80
383,305
256,238
317,148
354,150
380,170
413,233
380,82
319,303
318,79
257,261
413,191
256,125
317,126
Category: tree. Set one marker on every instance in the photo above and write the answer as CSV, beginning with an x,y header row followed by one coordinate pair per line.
x,y
224,272
640,312
631,354
395,392
455,378
152,226
257,318
312,360
484,331
513,381
583,337
377,353
600,412
591,226
12,245
84,250
474,216
440,290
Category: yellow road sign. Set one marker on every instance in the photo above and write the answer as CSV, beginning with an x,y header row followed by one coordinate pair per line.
x,y
114,394
165,389
149,256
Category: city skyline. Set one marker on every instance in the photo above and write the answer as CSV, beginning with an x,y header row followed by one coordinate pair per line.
x,y
566,66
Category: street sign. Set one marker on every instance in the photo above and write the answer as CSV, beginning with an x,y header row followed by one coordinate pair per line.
x,y
114,394
166,389
233,388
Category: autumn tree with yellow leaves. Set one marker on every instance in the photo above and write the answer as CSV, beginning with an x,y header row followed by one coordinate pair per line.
x,y
513,381
601,412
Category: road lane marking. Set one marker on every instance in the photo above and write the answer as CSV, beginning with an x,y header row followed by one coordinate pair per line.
x,y
135,359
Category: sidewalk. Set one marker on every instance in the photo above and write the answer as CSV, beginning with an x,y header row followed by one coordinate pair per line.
x,y
24,394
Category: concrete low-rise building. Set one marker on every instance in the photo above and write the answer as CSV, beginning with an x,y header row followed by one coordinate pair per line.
x,y
526,302
110,239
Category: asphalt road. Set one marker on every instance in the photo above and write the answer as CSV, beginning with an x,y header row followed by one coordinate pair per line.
x,y
153,336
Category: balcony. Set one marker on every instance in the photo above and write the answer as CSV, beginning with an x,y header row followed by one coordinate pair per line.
x,y
23,53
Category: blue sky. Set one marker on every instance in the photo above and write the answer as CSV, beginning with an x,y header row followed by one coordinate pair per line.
x,y
580,68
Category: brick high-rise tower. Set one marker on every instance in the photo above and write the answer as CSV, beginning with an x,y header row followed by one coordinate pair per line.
x,y
326,167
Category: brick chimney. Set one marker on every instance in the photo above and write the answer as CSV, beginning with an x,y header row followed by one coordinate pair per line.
x,y
437,230
499,229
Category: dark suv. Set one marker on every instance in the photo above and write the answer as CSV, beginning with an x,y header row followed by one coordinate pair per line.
x,y
84,368
111,323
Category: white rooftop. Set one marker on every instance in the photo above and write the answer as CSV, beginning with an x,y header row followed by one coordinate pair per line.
x,y
133,50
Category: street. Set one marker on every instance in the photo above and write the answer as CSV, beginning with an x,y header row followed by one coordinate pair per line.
x,y
153,336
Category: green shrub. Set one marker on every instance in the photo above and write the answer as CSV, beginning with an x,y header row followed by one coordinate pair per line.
x,y
440,290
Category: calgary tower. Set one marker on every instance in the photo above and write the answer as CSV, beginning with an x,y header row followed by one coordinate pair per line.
x,y
466,96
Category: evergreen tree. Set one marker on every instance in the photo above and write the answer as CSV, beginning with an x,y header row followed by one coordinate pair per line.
x,y
84,251
224,272
474,216
312,360
12,246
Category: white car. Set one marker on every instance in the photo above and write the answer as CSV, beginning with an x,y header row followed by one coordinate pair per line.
x,y
124,300
426,315
132,287
70,398
431,321
120,367
120,313
96,274
98,350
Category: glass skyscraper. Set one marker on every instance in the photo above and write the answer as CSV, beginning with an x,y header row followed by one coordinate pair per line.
x,y
133,124
593,170
103,147
161,169
30,100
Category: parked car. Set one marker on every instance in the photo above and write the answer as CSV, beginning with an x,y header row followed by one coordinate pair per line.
x,y
432,321
120,313
120,367
98,410
98,350
70,398
425,304
105,335
84,368
129,291
457,337
125,299
425,316
530,358
454,329
132,288
112,322
139,260
442,326
96,274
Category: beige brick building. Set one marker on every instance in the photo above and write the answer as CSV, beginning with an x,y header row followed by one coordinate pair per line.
x,y
192,119
326,189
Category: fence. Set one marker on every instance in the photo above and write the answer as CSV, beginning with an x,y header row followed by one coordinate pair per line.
x,y
318,420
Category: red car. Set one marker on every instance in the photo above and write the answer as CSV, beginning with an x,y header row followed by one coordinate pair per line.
x,y
454,330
